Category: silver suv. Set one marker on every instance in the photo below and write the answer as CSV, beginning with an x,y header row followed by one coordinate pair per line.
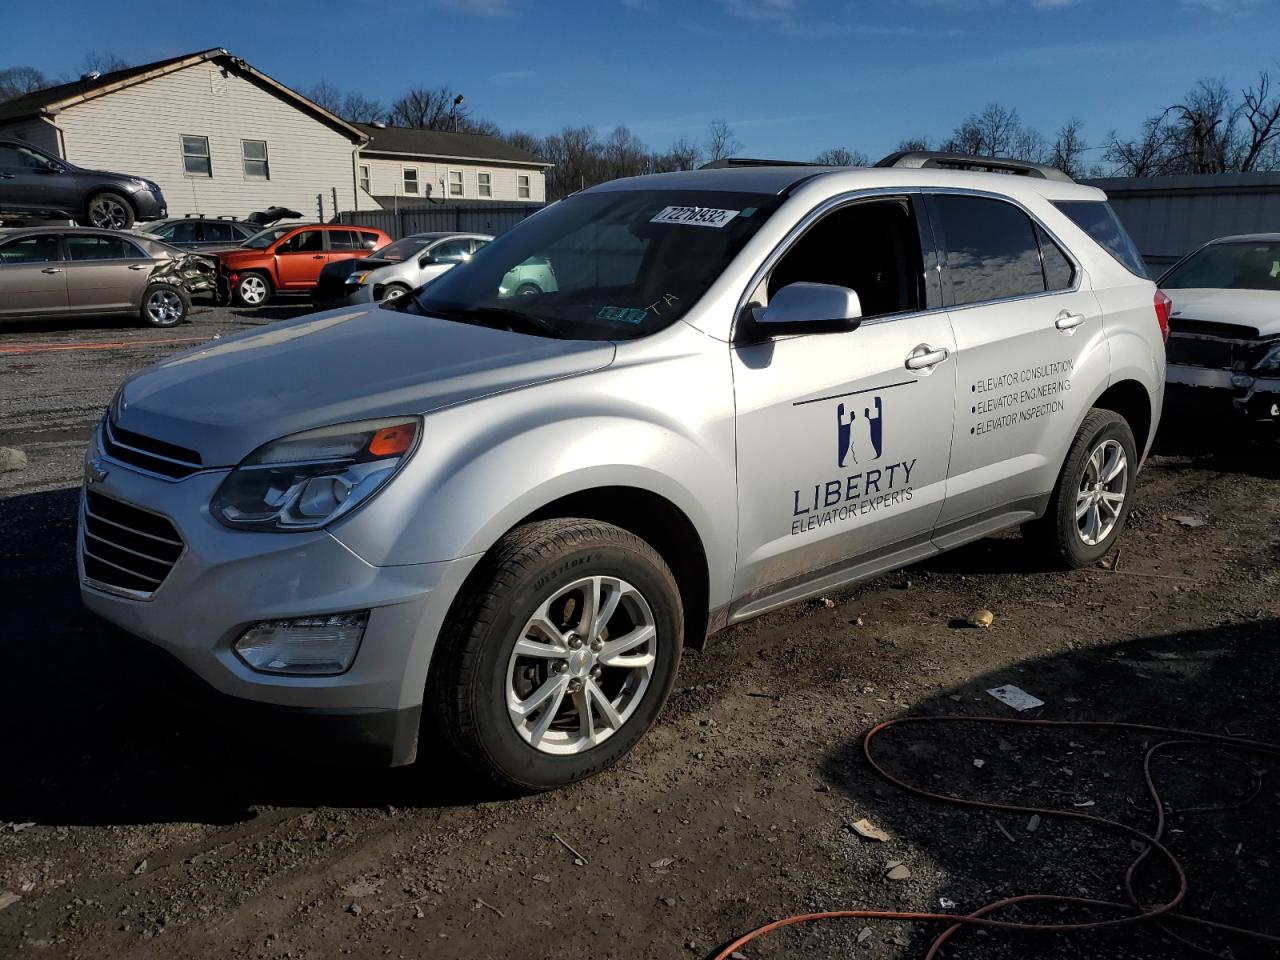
x,y
491,524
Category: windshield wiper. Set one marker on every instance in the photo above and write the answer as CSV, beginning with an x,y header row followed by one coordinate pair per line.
x,y
500,318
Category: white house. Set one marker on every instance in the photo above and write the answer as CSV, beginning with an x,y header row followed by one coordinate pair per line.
x,y
218,136
401,166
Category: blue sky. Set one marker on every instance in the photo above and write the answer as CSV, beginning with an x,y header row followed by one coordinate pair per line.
x,y
792,77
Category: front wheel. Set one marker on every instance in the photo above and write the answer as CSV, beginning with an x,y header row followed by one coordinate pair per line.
x,y
109,211
252,290
559,656
1094,494
164,306
393,292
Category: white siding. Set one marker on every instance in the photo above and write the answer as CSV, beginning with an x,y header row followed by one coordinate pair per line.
x,y
37,131
386,180
138,131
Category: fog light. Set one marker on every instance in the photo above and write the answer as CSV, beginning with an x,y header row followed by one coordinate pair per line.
x,y
314,646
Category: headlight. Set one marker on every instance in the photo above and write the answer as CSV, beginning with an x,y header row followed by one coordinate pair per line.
x,y
357,278
1270,362
306,480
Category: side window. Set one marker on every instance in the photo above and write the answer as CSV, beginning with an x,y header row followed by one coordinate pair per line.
x,y
10,158
184,231
305,242
221,232
990,248
410,181
871,247
1098,220
253,154
1059,273
195,157
455,183
452,251
101,248
369,241
42,248
344,240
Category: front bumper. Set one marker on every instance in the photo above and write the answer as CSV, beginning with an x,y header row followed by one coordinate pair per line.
x,y
226,580
349,295
149,205
1257,398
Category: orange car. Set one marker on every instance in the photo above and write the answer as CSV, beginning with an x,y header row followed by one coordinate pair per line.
x,y
290,258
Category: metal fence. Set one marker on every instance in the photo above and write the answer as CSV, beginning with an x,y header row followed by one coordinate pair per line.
x,y
492,218
1169,217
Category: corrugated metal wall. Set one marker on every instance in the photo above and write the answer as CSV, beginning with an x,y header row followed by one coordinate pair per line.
x,y
1169,217
491,218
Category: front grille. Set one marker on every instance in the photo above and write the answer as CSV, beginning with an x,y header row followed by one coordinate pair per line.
x,y
154,456
1219,346
1229,331
1217,354
127,548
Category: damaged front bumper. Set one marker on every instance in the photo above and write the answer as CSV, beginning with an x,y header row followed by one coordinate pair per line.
x,y
194,273
1254,397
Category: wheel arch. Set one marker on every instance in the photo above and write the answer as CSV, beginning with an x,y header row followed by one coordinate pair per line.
x,y
95,192
1130,399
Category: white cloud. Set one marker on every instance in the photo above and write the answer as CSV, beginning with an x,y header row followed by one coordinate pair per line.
x,y
480,8
777,11
1222,6
512,76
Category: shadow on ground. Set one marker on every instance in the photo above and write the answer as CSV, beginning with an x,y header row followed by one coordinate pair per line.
x,y
102,735
1222,805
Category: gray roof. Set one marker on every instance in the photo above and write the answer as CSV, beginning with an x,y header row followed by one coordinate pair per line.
x,y
444,144
52,99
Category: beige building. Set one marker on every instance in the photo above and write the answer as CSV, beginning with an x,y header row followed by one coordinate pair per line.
x,y
223,139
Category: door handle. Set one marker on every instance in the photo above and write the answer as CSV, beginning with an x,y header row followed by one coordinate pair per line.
x,y
139,266
925,357
6,176
1068,321
51,270
318,256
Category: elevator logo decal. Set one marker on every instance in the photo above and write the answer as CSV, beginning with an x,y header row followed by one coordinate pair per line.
x,y
861,489
860,438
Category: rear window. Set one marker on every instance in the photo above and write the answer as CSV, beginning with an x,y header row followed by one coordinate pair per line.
x,y
1098,220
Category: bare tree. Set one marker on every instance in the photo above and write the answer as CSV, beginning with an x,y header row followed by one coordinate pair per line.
x,y
721,142
15,81
1150,154
357,108
429,109
1205,127
997,131
1260,112
842,157
325,94
524,141
915,144
684,154
104,61
1067,153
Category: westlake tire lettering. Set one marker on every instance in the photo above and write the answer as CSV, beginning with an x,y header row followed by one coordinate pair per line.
x,y
561,570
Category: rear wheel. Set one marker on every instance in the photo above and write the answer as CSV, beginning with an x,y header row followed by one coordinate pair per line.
x,y
252,290
109,211
1094,494
164,306
560,655
393,291
528,290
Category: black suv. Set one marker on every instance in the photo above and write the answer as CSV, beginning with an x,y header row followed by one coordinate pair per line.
x,y
36,185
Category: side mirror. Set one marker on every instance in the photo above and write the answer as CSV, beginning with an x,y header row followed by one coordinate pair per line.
x,y
50,168
810,308
427,260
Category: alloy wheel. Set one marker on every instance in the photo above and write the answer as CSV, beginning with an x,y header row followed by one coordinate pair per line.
x,y
164,307
581,665
253,290
108,214
1100,497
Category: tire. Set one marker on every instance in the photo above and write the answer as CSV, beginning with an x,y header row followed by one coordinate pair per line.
x,y
478,679
164,305
253,289
528,290
1067,538
109,211
393,291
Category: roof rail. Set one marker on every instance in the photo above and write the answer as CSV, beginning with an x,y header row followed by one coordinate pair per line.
x,y
919,159
751,162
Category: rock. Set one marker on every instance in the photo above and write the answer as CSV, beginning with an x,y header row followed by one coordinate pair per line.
x,y
865,828
669,901
1034,823
663,863
140,868
1185,521
11,458
863,934
8,899
981,619
899,872
355,909
979,763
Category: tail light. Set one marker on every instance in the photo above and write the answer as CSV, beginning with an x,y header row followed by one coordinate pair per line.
x,y
1164,307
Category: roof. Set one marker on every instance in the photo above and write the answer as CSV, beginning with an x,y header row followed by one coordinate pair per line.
x,y
51,100
444,145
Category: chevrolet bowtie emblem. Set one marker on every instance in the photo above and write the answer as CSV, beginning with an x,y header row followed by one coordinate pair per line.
x,y
95,471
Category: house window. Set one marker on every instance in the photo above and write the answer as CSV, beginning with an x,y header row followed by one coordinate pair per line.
x,y
455,183
411,180
364,178
195,156
485,184
254,156
522,186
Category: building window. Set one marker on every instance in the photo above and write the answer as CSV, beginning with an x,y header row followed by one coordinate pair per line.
x,y
522,186
364,178
411,180
455,183
195,156
254,153
485,184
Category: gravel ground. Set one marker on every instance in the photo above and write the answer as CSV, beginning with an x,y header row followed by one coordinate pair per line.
x,y
132,827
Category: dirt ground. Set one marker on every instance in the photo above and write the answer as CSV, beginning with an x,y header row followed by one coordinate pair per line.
x,y
132,827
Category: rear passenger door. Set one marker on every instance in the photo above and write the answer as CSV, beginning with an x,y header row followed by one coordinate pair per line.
x,y
106,273
1027,329
33,278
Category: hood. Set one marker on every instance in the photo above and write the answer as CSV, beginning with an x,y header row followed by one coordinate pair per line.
x,y
229,397
238,254
345,268
1259,309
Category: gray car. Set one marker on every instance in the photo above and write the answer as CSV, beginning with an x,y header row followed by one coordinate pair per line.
x,y
37,185
395,269
490,525
57,272
208,234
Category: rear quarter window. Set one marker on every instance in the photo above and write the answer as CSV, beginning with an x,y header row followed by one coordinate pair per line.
x,y
1099,221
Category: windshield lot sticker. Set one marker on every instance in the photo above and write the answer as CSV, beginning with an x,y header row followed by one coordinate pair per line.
x,y
695,216
632,315
1019,396
860,440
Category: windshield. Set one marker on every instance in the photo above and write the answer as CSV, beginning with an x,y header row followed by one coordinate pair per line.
x,y
402,249
265,238
1228,266
613,265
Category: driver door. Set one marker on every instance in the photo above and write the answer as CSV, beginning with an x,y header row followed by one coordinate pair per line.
x,y
300,259
844,438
